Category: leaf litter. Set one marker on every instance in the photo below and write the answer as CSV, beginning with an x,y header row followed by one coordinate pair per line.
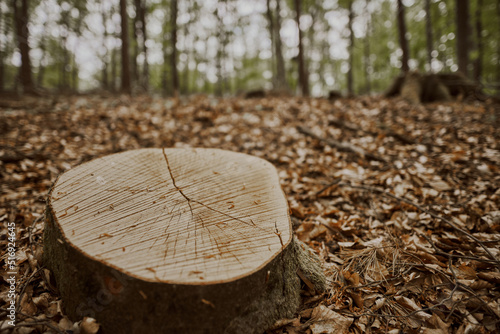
x,y
401,202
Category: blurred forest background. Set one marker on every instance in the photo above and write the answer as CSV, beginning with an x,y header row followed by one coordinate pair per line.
x,y
226,47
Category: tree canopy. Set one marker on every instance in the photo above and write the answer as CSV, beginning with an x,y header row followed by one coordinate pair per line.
x,y
229,46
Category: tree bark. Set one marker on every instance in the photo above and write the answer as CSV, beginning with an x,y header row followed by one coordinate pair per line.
x,y
21,19
403,42
176,241
463,35
173,56
478,68
350,80
303,77
114,70
145,65
428,32
367,53
498,44
135,47
3,28
270,19
126,83
281,82
104,76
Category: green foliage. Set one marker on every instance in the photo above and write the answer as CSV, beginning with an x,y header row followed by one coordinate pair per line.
x,y
201,32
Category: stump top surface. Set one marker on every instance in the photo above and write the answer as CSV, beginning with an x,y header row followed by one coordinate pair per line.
x,y
186,216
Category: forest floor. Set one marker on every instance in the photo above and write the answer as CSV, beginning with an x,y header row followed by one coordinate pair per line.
x,y
401,202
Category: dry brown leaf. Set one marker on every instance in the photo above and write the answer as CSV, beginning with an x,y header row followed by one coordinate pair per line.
x,y
89,326
325,320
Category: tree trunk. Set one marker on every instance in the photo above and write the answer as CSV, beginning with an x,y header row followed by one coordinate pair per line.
x,y
367,63
428,32
21,19
135,48
463,32
350,80
270,19
478,68
165,82
303,79
221,38
104,76
114,69
173,56
126,84
403,42
2,52
176,241
145,65
282,85
64,65
498,44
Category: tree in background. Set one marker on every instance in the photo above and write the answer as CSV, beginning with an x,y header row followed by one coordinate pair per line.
x,y
126,83
428,32
478,66
3,47
70,21
366,48
279,75
350,80
463,35
303,77
498,44
21,19
403,42
140,34
173,41
220,45
104,77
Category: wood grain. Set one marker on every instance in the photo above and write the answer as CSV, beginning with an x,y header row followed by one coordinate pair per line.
x,y
195,216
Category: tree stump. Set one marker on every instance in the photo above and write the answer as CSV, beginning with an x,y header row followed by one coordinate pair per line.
x,y
175,240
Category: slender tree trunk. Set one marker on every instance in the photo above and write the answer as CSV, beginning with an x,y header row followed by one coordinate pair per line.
x,y
185,74
303,80
220,52
498,44
403,42
463,32
114,70
74,73
350,80
173,56
478,68
104,77
270,19
367,51
145,65
166,62
3,28
21,19
63,84
41,70
126,84
135,47
428,32
282,84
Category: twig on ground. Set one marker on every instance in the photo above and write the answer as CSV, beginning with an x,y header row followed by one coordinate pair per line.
x,y
421,208
342,146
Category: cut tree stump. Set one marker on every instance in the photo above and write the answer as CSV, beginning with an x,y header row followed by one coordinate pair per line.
x,y
176,241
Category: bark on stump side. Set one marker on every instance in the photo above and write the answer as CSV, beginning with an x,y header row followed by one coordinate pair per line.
x,y
175,240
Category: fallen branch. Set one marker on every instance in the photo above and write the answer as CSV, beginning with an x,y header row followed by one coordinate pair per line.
x,y
341,146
